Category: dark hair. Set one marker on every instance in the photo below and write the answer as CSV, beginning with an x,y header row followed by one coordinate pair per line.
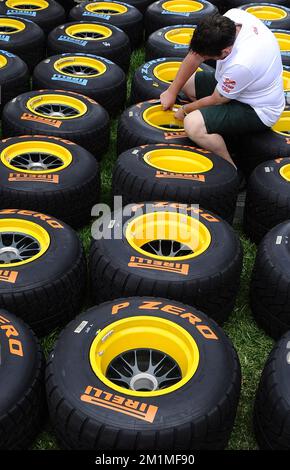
x,y
212,35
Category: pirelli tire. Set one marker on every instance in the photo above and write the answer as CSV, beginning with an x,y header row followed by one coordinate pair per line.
x,y
257,148
91,38
22,399
267,200
283,38
135,128
272,405
237,3
14,77
177,173
141,5
195,410
170,41
273,16
114,12
23,38
165,13
154,77
45,13
42,267
58,113
270,284
96,77
203,270
49,175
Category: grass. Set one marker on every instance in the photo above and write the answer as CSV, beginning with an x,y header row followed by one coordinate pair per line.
x,y
251,343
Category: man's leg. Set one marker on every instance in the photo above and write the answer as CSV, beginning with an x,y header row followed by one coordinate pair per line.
x,y
195,128
189,88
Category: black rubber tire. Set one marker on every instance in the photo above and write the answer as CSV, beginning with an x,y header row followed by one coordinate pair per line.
x,y
237,3
267,200
22,399
145,84
158,46
254,149
67,194
131,21
272,405
285,55
141,5
134,131
28,44
48,291
287,88
283,23
198,415
68,4
157,16
90,130
115,48
270,285
109,88
46,18
215,190
209,281
14,78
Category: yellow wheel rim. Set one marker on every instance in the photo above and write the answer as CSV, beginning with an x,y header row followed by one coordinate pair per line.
x,y
282,126
80,66
143,337
183,6
180,35
107,8
56,106
28,5
163,120
36,157
178,161
167,72
3,61
267,13
10,26
89,31
285,172
21,239
168,236
286,80
283,40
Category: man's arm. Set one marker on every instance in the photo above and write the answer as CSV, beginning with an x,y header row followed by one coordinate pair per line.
x,y
213,100
189,65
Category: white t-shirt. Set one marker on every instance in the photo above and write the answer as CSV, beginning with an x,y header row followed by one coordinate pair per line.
x,y
252,73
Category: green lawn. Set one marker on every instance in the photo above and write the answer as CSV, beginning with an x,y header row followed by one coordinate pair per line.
x,y
252,344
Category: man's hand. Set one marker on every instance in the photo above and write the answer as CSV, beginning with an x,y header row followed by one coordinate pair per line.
x,y
167,99
179,114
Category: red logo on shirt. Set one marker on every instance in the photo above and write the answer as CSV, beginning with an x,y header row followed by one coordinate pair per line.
x,y
255,29
228,85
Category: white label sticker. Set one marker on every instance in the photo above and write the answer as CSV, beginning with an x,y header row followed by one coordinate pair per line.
x,y
279,240
81,326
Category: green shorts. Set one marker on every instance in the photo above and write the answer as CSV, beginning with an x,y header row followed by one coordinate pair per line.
x,y
232,118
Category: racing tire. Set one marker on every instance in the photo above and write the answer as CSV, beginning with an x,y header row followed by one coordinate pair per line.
x,y
96,77
204,274
43,269
176,173
272,405
39,112
171,41
270,285
46,14
103,40
257,148
138,125
272,15
141,5
195,410
283,38
237,3
267,200
154,77
22,400
120,14
23,38
165,13
14,77
49,175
